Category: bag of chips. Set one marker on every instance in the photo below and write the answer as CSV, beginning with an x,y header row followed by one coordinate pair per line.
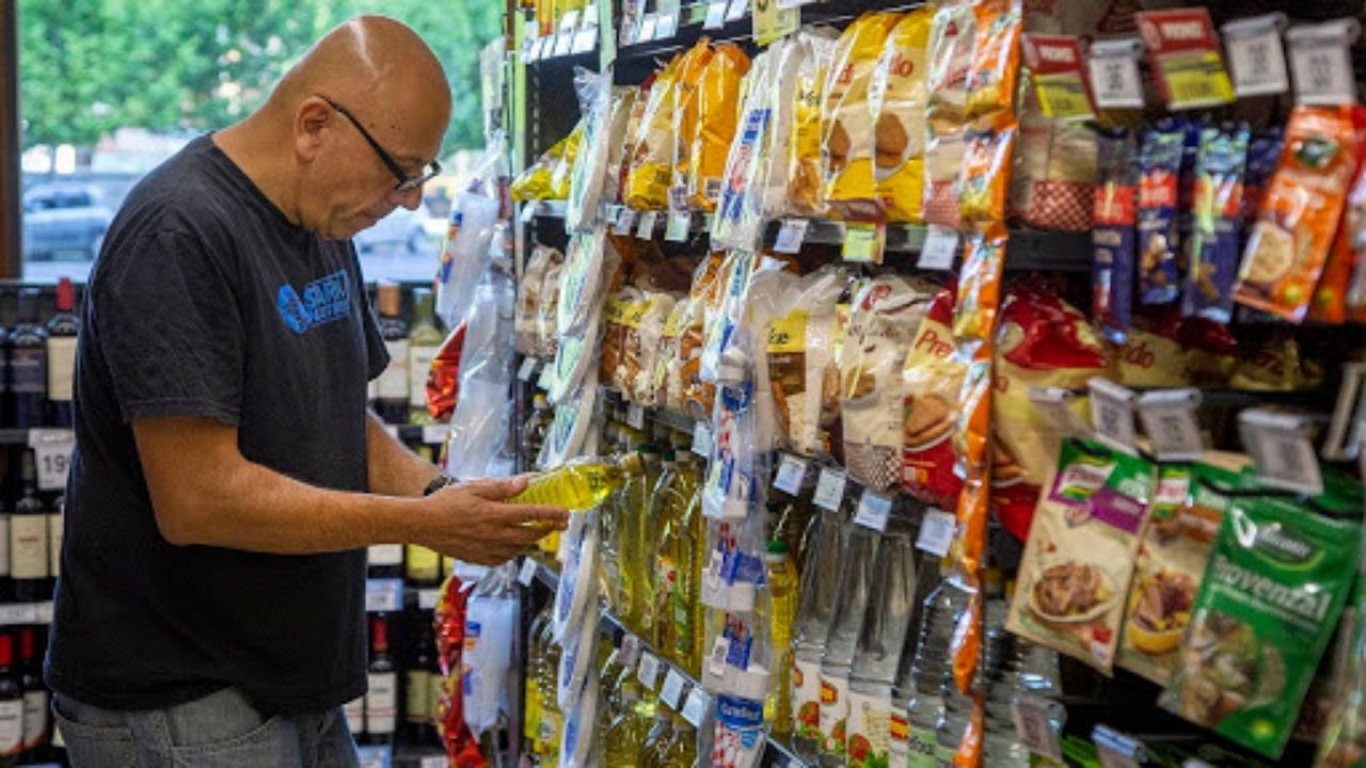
x,y
932,379
1276,365
1081,553
847,118
1151,356
652,157
949,54
806,165
899,98
718,98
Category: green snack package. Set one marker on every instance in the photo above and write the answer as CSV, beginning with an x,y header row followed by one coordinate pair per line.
x,y
1271,597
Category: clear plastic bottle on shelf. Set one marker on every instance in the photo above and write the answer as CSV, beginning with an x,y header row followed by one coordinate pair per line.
x,y
657,740
536,427
536,652
686,606
623,738
782,615
552,719
665,515
925,705
957,709
613,682
1000,674
851,608
636,550
681,751
825,555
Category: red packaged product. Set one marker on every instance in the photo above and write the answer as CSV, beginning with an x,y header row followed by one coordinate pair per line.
x,y
933,379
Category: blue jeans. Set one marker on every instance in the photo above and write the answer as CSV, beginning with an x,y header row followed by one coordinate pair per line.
x,y
221,730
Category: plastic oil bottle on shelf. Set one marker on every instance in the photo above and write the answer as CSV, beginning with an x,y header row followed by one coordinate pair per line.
x,y
782,615
657,740
623,738
536,652
581,484
956,714
676,513
855,586
681,751
825,555
1001,675
636,549
925,705
552,719
868,735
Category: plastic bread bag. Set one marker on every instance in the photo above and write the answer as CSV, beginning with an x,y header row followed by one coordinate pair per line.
x,y
886,315
722,362
799,350
631,138
1289,244
932,379
615,311
1216,230
539,181
847,132
582,281
1081,553
651,163
529,298
588,179
687,108
898,97
548,308
806,165
1055,171
696,395
490,626
666,362
464,256
482,420
1113,236
770,289
739,221
949,55
775,169
623,104
718,96
644,346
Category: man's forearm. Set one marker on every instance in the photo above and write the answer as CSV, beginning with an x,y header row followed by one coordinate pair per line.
x,y
394,470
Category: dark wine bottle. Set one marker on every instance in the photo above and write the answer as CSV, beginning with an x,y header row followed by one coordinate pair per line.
x,y
391,398
27,365
28,534
61,356
37,732
381,700
419,711
11,705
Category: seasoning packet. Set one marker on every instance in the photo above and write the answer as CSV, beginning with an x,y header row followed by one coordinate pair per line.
x,y
1081,552
846,117
1158,197
1272,594
899,95
933,379
1187,509
717,98
1112,271
1216,229
1286,251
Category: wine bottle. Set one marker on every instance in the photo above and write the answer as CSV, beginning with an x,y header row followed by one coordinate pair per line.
x,y
27,365
420,709
61,356
36,730
423,343
28,539
391,401
381,700
11,705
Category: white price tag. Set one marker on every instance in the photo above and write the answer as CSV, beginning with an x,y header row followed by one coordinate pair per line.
x,y
701,439
529,212
1255,55
791,236
591,16
940,249
630,649
434,761
737,10
585,40
528,369
716,662
696,707
1321,62
936,532
646,230
626,219
383,595
1112,415
635,416
1033,726
712,578
1111,757
1055,405
528,572
17,613
1115,81
680,223
52,452
672,692
428,598
435,434
569,21
791,474
42,613
716,14
648,671
647,29
564,43
667,26
1169,419
873,510
546,378
1281,449
830,490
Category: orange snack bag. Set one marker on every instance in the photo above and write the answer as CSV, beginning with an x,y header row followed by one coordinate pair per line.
x,y
717,99
1289,244
985,188
847,119
933,380
995,67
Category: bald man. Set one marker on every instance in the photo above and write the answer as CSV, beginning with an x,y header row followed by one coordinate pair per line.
x,y
227,475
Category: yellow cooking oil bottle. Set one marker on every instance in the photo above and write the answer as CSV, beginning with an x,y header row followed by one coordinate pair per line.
x,y
680,561
636,549
626,734
783,596
581,484
681,751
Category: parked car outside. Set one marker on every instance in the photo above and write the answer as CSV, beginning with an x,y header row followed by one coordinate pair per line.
x,y
402,227
64,219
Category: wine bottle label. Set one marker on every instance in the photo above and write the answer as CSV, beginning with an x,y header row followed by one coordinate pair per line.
x,y
418,700
61,367
354,711
436,690
11,727
381,703
54,549
28,370
28,546
35,718
4,546
419,365
393,383
385,554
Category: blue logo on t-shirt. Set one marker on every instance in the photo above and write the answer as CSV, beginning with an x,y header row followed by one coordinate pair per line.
x,y
324,300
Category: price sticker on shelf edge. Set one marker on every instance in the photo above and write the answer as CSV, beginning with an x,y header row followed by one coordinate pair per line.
x,y
672,692
1112,415
1281,449
791,235
716,14
1321,62
873,510
1116,749
1169,419
635,416
1256,56
830,490
626,220
696,707
647,29
1113,67
701,439
864,243
791,474
667,26
648,671
646,229
528,572
680,223
585,40
52,452
1034,717
564,43
737,10
1055,404
936,532
383,595
940,248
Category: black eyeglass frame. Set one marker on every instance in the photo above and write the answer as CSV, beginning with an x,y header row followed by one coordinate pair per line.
x,y
406,183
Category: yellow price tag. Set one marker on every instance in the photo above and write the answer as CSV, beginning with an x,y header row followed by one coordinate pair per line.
x,y
772,23
864,243
1197,80
1063,97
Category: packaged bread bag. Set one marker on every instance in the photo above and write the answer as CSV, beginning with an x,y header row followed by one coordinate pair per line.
x,y
800,346
614,312
718,100
949,56
652,156
529,297
806,164
670,342
687,109
932,379
1078,561
899,97
1042,342
641,342
886,315
846,117
739,216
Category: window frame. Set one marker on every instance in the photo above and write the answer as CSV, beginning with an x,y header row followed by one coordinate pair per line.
x,y
10,204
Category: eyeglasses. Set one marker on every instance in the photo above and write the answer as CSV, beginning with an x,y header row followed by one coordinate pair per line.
x,y
406,183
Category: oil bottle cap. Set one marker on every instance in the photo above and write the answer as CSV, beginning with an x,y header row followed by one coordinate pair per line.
x,y
777,547
632,464
539,401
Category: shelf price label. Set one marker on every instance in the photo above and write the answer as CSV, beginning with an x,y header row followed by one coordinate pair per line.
x,y
648,671
1055,404
680,223
696,707
383,595
1256,56
626,219
1056,61
1116,749
672,692
791,236
940,249
1112,415
528,572
830,490
936,532
736,10
873,510
1034,725
646,230
1169,419
1281,449
701,439
716,14
52,452
635,416
667,26
1113,69
864,243
1321,62
791,474
1184,53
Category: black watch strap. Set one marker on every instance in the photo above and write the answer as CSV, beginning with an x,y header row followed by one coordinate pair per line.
x,y
440,481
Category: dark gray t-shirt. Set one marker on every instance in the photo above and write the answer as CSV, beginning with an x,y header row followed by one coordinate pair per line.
x,y
207,302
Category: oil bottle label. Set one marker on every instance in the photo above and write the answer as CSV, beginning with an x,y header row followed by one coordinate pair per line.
x,y
923,748
806,698
834,714
899,729
739,733
870,724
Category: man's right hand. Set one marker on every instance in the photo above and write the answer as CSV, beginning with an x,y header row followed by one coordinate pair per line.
x,y
470,522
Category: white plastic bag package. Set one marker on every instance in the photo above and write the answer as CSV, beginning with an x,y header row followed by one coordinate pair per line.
x,y
464,255
490,629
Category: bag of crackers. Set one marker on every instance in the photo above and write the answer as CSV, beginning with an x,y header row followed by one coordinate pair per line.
x,y
899,96
847,117
932,379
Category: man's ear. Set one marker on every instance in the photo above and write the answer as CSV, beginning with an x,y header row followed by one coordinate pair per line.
x,y
311,121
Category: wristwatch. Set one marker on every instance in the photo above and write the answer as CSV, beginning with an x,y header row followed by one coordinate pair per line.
x,y
442,480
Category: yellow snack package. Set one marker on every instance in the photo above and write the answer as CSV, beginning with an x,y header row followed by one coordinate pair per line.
x,y
899,95
687,106
805,170
847,121
719,100
548,177
948,57
647,183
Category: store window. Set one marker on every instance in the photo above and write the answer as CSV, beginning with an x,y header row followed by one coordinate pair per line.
x,y
109,89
